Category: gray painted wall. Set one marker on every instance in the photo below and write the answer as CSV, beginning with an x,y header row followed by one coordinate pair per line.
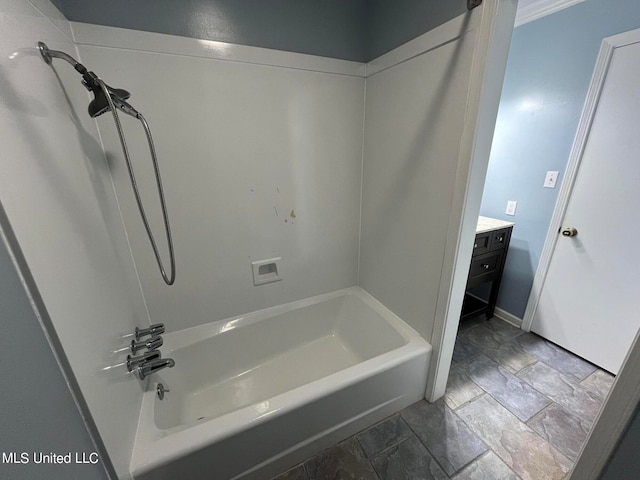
x,y
624,463
358,30
330,28
548,73
37,411
390,23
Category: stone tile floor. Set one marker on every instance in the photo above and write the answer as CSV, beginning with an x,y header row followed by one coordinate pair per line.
x,y
516,407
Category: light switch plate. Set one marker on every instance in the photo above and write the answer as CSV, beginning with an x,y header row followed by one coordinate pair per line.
x,y
550,180
511,207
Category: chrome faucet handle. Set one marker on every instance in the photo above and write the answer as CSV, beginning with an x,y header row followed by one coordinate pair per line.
x,y
133,362
152,343
147,368
153,330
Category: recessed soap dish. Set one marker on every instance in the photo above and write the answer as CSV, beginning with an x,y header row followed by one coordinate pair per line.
x,y
266,271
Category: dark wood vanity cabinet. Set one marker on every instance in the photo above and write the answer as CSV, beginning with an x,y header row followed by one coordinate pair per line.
x,y
487,264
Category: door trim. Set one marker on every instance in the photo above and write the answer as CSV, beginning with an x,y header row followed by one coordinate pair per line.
x,y
613,420
607,49
486,77
530,10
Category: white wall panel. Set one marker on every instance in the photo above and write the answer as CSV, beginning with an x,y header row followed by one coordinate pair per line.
x,y
57,193
241,147
415,112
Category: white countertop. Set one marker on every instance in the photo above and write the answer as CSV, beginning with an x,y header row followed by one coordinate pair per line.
x,y
486,224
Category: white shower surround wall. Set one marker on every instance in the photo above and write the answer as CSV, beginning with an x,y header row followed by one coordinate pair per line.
x,y
248,136
251,396
261,155
415,117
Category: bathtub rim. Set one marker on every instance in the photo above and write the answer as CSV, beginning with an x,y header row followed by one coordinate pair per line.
x,y
189,336
154,447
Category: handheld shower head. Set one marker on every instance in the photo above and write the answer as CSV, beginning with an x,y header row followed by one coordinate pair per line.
x,y
100,104
111,99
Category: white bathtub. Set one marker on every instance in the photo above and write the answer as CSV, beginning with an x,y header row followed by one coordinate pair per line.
x,y
253,395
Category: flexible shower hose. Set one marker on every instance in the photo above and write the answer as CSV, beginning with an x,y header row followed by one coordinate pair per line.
x,y
170,279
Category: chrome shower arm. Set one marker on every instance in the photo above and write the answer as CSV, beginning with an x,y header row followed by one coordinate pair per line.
x,y
49,55
89,79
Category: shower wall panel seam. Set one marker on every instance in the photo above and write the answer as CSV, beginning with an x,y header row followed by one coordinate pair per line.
x,y
117,200
150,42
68,34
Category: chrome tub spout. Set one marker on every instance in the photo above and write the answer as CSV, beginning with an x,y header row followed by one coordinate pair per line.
x,y
151,355
147,368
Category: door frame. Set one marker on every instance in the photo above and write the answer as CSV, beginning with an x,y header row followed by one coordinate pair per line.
x,y
486,77
624,397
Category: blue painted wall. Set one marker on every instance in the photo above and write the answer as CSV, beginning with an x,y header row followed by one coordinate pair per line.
x,y
358,30
548,73
40,415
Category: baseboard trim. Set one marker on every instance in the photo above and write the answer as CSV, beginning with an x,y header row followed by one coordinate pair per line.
x,y
508,317
502,314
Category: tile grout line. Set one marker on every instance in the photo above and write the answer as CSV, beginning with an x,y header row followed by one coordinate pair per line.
x,y
479,457
489,449
521,380
366,457
391,446
427,448
572,461
472,399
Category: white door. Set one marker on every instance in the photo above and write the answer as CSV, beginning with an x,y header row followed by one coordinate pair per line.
x,y
590,299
